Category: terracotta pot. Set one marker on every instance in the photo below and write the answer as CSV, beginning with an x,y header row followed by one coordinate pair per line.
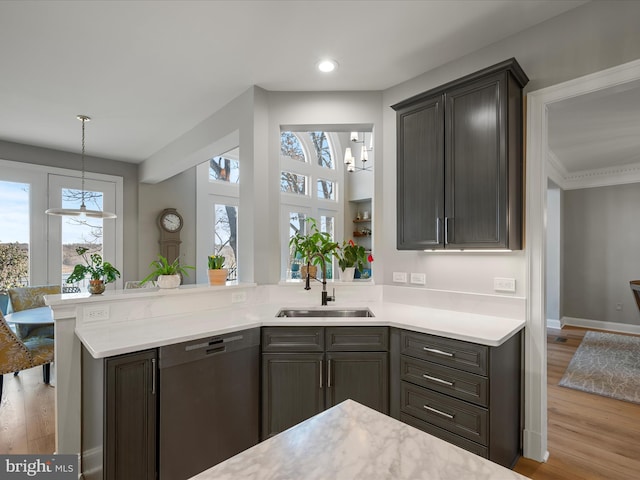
x,y
313,272
218,276
96,287
168,281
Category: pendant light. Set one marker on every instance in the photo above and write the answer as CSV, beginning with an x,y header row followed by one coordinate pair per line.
x,y
349,159
82,211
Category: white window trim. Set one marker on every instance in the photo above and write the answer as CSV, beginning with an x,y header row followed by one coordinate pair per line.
x,y
39,234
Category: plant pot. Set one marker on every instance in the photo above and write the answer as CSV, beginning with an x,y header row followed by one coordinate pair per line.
x,y
168,281
346,275
96,287
313,271
218,276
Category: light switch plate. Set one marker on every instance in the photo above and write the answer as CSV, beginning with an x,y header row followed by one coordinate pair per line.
x,y
400,277
419,278
504,285
238,297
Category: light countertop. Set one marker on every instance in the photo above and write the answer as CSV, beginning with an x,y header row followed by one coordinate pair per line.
x,y
353,442
105,339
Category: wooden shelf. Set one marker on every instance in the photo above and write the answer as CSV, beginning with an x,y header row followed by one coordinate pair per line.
x,y
362,220
359,234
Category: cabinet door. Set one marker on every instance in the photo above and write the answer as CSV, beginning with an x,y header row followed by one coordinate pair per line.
x,y
131,418
476,164
359,376
420,175
292,389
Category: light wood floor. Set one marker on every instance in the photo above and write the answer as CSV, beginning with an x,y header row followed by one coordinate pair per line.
x,y
27,417
589,436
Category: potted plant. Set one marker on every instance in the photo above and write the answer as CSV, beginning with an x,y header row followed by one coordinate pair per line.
x,y
350,257
217,273
169,274
313,248
100,273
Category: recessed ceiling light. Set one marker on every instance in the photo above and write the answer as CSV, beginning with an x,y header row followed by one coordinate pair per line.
x,y
327,66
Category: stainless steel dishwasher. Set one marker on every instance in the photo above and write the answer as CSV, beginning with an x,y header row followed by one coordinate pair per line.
x,y
209,402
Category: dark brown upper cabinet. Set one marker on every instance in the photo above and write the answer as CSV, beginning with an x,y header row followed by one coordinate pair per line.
x,y
460,163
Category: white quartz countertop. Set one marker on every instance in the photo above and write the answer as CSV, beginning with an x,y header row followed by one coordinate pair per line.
x,y
105,339
353,442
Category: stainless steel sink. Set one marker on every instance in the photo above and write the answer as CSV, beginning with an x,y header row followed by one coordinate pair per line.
x,y
306,312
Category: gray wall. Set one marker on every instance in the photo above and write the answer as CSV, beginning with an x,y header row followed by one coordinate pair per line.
x,y
129,172
601,235
554,239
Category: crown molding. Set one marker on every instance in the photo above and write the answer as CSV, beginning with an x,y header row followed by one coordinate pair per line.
x,y
597,177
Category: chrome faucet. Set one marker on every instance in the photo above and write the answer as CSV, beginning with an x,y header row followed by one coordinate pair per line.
x,y
325,297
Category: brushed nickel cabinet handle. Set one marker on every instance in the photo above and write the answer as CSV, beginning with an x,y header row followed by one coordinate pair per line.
x,y
320,361
439,380
437,229
446,230
328,373
434,410
153,376
439,352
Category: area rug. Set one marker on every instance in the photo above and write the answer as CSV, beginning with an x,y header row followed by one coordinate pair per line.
x,y
606,364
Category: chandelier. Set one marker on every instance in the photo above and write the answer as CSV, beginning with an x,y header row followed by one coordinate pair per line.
x,y
349,159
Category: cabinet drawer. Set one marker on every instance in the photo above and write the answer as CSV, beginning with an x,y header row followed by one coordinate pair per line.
x,y
293,339
445,435
462,418
357,339
469,357
463,385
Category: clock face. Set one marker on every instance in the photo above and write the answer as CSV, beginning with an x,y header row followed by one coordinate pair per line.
x,y
171,222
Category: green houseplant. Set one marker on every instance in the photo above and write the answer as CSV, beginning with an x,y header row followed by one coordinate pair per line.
x,y
100,273
217,273
313,248
168,274
352,256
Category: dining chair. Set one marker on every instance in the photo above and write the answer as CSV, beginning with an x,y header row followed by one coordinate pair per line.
x,y
132,284
16,355
25,298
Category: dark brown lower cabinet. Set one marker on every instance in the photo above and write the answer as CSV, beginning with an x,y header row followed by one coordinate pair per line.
x,y
119,412
345,363
465,393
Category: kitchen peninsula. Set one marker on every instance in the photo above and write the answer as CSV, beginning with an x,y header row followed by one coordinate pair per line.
x,y
353,442
124,322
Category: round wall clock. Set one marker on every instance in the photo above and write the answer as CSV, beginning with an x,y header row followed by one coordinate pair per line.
x,y
170,220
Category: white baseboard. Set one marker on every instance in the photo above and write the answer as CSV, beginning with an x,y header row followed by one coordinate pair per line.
x,y
552,323
533,448
600,325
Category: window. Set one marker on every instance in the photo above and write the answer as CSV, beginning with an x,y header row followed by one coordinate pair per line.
x,y
309,186
224,169
226,237
14,239
218,197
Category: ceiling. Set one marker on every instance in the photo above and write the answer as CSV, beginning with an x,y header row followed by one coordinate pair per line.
x,y
598,130
149,71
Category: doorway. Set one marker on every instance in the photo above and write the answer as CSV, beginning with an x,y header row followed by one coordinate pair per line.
x,y
537,172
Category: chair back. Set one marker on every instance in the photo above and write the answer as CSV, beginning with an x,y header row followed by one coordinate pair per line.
x,y
14,355
138,284
24,298
4,302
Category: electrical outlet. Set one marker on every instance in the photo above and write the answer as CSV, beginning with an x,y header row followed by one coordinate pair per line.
x,y
504,285
419,278
238,297
95,313
619,307
400,277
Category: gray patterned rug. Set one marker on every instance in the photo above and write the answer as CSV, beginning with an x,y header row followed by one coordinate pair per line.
x,y
606,364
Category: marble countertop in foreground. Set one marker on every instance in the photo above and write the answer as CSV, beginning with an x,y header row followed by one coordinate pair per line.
x,y
353,442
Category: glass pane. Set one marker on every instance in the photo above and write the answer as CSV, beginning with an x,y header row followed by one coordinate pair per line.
x,y
224,169
14,234
80,231
290,147
226,237
321,149
326,189
327,224
297,223
293,183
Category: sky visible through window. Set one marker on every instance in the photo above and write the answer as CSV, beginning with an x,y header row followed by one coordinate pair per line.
x,y
14,212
